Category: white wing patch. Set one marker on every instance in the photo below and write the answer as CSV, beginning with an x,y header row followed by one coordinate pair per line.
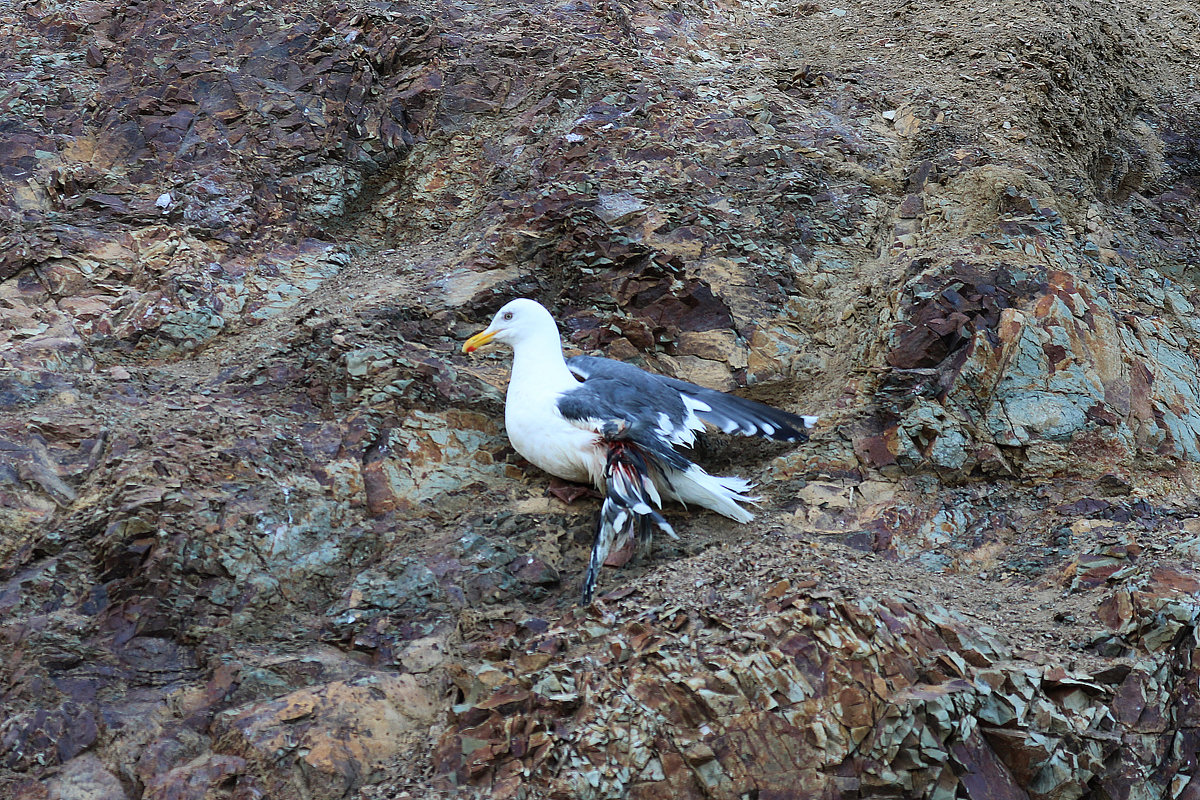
x,y
692,424
665,428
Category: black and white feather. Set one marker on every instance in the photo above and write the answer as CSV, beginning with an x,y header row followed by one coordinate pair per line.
x,y
628,515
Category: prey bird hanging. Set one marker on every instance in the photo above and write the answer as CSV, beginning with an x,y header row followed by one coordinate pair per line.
x,y
595,420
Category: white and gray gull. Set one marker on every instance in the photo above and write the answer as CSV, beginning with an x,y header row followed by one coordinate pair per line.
x,y
595,420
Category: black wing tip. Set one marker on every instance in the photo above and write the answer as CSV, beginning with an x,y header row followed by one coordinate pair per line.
x,y
801,434
745,417
789,435
784,426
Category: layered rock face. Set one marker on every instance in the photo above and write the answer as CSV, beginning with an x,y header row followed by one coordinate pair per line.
x,y
261,532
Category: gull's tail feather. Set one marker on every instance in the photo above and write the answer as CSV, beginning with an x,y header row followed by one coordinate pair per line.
x,y
628,514
715,492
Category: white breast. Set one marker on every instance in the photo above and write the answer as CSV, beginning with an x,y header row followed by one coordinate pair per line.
x,y
543,436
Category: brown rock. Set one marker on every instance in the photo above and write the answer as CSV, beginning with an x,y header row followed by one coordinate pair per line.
x,y
85,778
198,779
341,731
985,775
240,246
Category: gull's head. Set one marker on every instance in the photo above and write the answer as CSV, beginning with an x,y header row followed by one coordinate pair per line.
x,y
520,320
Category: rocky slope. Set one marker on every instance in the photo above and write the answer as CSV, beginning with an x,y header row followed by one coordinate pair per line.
x,y
263,536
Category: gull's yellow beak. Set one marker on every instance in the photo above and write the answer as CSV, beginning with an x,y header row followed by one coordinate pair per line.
x,y
477,341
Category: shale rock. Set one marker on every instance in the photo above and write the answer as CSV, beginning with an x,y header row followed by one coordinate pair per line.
x,y
261,532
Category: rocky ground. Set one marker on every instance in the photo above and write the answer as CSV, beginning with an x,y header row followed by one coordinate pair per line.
x,y
261,533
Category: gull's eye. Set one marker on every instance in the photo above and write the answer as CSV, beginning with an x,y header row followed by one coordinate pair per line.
x,y
507,315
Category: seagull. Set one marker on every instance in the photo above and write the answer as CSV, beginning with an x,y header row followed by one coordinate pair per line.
x,y
625,430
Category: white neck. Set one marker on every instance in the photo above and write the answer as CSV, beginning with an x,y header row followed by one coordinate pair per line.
x,y
538,360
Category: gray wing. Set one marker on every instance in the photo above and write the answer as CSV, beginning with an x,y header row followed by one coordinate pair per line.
x,y
730,413
633,405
